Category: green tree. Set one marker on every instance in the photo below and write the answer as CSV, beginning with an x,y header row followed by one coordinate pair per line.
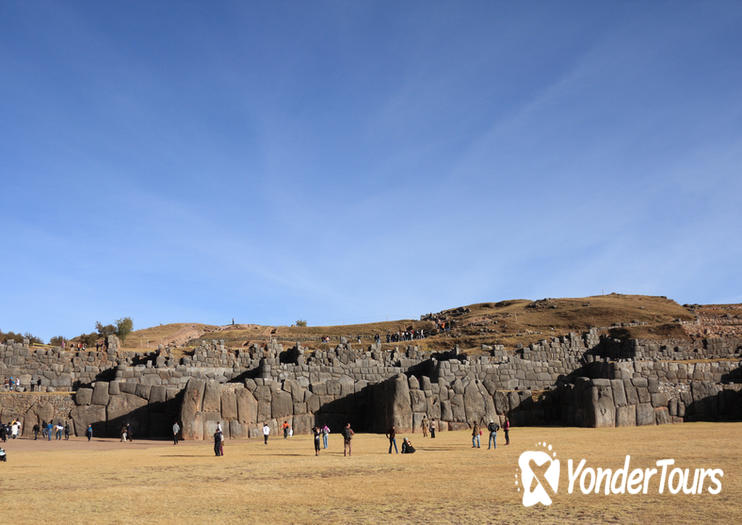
x,y
106,330
57,340
124,327
301,322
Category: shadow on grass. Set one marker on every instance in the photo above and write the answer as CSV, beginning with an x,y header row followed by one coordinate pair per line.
x,y
187,455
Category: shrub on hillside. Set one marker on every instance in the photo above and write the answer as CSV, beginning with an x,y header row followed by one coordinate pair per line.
x,y
124,327
18,338
104,331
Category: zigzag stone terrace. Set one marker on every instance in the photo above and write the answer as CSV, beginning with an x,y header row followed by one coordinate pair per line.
x,y
577,380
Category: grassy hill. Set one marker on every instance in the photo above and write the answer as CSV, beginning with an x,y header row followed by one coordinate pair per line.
x,y
510,323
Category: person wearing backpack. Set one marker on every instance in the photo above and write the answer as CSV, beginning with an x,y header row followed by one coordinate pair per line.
x,y
493,428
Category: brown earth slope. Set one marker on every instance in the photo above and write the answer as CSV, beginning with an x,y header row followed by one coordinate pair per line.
x,y
510,323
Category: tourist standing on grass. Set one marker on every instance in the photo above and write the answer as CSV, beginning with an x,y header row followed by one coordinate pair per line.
x,y
66,430
317,434
35,431
218,439
266,433
49,430
424,425
89,432
347,436
285,428
391,436
43,429
432,430
506,428
123,433
176,429
493,428
325,434
475,436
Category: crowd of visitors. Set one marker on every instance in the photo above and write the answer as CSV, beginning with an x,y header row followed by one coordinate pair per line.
x,y
11,383
320,434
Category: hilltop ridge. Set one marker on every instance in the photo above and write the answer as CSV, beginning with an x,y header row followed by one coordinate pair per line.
x,y
511,323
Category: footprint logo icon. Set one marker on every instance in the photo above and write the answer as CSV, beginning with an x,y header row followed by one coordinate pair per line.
x,y
539,475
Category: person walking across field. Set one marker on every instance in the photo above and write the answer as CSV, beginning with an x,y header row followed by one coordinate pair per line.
x,y
424,425
266,433
218,443
506,428
325,435
317,434
347,436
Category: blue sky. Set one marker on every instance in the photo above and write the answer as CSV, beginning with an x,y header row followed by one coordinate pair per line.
x,y
360,161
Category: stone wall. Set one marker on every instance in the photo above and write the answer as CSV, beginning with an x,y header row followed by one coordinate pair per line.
x,y
32,408
640,401
574,379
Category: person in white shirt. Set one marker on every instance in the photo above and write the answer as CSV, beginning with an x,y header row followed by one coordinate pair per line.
x,y
176,429
266,433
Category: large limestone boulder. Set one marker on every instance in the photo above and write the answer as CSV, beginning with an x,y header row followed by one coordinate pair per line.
x,y
645,414
83,396
302,424
474,407
400,403
247,406
193,427
626,416
433,406
457,407
229,404
263,395
502,406
446,411
604,411
123,405
237,430
281,404
417,399
212,397
158,394
113,343
662,416
85,415
100,393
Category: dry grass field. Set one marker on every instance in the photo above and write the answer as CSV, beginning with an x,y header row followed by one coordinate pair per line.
x,y
446,481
